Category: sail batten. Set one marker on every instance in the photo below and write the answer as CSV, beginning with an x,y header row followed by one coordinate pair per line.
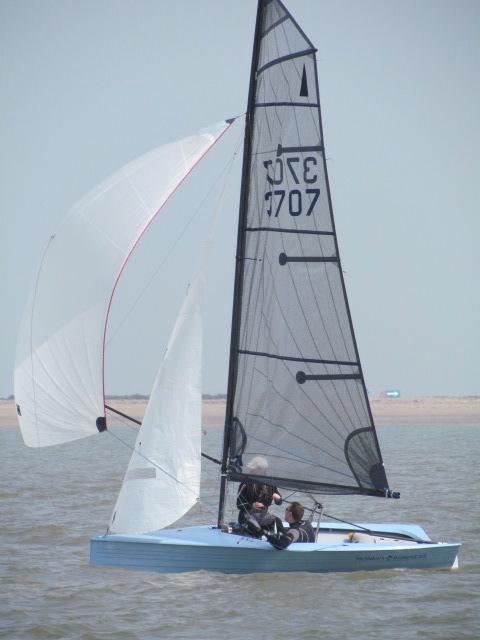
x,y
290,56
296,383
297,359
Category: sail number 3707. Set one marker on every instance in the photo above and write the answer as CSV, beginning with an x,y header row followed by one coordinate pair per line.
x,y
301,172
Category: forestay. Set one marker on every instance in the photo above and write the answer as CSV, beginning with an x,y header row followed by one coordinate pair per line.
x,y
59,373
296,390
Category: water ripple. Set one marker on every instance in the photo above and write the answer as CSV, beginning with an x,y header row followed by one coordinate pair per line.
x,y
54,499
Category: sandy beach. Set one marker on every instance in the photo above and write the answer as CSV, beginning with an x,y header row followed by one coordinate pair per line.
x,y
408,412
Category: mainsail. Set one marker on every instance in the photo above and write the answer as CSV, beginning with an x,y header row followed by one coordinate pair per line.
x,y
59,370
296,393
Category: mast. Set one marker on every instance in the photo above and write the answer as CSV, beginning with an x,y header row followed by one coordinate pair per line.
x,y
238,282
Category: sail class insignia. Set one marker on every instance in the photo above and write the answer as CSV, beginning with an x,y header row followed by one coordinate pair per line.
x,y
304,85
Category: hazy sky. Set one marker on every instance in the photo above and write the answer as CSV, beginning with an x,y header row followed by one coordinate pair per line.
x,y
88,85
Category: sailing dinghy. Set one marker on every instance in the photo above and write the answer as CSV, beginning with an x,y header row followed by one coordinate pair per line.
x,y
296,389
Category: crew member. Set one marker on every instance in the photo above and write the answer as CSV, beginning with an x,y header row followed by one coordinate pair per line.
x,y
254,499
298,531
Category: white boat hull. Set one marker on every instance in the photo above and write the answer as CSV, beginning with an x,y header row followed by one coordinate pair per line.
x,y
209,549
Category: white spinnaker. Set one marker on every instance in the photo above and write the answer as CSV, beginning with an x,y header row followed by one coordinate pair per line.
x,y
162,481
59,360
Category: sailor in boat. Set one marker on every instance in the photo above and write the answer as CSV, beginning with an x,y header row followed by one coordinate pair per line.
x,y
299,530
254,498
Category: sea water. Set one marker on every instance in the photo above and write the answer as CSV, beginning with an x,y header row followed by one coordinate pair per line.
x,y
52,500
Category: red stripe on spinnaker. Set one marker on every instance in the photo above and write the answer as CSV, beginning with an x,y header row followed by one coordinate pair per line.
x,y
229,124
